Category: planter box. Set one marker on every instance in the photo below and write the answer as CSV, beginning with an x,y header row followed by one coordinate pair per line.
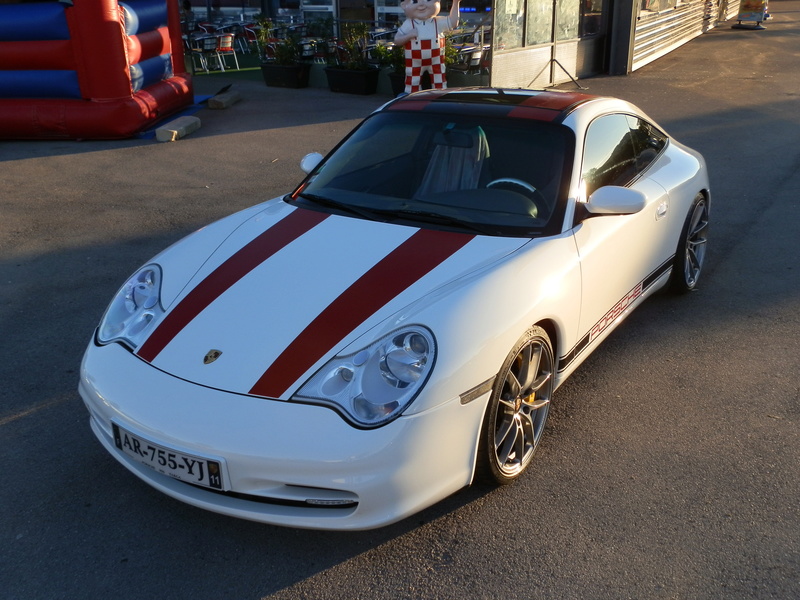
x,y
317,78
397,82
286,76
350,81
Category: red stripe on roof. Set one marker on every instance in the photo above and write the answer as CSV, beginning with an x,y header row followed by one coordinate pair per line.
x,y
396,272
228,274
556,100
547,106
409,105
534,113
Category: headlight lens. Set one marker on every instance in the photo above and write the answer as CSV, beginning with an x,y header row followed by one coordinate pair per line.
x,y
375,385
134,310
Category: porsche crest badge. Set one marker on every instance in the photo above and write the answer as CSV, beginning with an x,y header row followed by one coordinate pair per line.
x,y
211,356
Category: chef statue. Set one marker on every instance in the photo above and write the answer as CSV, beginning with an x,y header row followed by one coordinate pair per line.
x,y
422,35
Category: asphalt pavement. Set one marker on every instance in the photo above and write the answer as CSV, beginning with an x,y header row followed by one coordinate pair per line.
x,y
670,468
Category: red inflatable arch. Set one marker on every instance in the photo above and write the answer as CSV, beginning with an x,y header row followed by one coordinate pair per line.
x,y
90,69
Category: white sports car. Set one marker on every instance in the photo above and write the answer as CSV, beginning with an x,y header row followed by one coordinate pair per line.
x,y
394,329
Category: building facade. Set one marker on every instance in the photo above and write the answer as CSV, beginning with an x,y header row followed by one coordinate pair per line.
x,y
537,43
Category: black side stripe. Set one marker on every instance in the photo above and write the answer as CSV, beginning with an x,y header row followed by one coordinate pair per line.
x,y
655,275
567,359
638,290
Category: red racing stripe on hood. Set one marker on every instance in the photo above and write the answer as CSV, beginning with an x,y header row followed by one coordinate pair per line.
x,y
401,268
280,235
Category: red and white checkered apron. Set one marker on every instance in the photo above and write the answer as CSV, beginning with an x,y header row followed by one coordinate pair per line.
x,y
422,56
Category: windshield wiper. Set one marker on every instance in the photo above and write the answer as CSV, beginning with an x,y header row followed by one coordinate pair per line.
x,y
386,215
359,211
440,219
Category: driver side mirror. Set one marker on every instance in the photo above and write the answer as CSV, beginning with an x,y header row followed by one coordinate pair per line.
x,y
310,161
615,200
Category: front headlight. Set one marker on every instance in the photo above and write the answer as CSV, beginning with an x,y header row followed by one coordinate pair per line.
x,y
376,384
134,310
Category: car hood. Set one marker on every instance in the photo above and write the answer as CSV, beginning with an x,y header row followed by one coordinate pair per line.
x,y
270,296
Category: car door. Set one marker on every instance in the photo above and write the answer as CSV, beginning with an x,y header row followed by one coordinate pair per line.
x,y
620,255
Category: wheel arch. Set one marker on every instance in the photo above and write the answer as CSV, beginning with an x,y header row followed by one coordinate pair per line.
x,y
551,328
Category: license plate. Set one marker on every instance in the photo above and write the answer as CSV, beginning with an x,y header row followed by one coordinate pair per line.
x,y
186,467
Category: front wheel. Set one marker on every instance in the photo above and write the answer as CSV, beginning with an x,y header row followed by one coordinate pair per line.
x,y
691,252
517,410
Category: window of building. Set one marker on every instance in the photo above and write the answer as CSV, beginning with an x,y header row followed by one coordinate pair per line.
x,y
509,24
591,17
567,19
519,23
540,22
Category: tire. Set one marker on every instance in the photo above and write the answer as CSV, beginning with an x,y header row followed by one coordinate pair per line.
x,y
517,411
691,252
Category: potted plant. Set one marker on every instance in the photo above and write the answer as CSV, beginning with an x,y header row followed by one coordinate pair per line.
x,y
351,72
281,60
394,58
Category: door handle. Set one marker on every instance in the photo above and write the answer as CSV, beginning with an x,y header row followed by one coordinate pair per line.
x,y
662,209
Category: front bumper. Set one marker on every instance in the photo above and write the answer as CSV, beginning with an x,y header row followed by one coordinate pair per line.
x,y
283,463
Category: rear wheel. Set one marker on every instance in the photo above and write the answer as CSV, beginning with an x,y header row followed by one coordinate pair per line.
x,y
517,410
691,252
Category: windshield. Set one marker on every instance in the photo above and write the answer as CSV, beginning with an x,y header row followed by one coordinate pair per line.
x,y
496,176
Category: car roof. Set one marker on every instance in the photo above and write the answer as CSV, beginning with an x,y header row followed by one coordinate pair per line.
x,y
539,105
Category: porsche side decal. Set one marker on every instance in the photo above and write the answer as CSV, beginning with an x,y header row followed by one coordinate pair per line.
x,y
613,314
618,310
281,234
397,271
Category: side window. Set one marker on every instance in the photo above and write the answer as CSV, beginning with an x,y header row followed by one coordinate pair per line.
x,y
608,155
648,142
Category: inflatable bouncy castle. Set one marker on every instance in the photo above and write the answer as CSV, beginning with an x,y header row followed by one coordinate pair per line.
x,y
89,69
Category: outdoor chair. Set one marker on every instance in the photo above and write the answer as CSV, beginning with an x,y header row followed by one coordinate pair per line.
x,y
225,48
